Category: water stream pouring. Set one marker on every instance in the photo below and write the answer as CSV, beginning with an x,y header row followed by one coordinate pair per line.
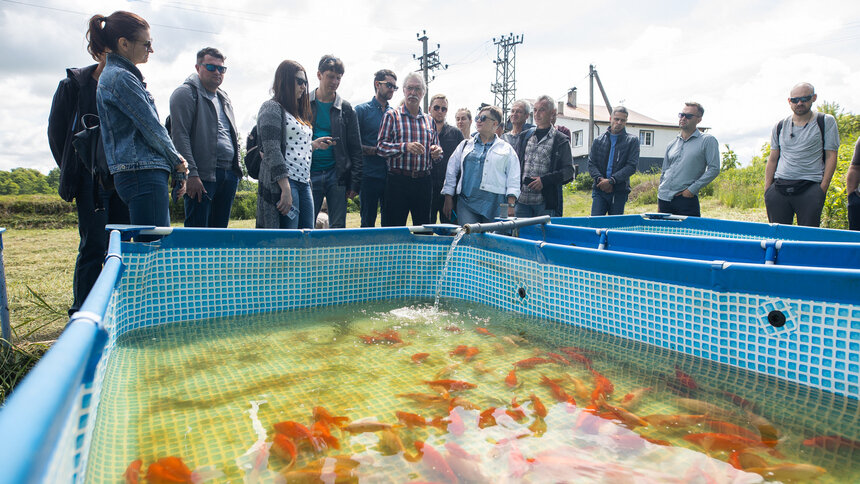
x,y
459,235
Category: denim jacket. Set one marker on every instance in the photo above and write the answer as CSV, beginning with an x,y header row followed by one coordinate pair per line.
x,y
133,137
501,173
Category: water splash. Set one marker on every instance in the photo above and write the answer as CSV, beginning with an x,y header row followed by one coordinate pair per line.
x,y
460,233
255,461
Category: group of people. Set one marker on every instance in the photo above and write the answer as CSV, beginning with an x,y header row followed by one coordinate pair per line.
x,y
399,160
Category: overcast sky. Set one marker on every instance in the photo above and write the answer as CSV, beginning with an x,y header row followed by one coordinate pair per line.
x,y
739,58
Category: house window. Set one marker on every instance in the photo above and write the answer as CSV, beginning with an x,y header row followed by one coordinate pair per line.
x,y
646,137
577,138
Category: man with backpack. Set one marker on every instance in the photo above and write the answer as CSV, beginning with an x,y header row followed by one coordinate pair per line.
x,y
802,161
97,205
203,129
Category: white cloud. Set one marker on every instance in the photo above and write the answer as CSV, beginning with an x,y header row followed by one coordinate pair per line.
x,y
737,57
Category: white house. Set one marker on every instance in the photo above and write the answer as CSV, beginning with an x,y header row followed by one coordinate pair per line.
x,y
654,135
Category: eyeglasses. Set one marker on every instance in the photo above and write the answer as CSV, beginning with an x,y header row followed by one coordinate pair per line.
x,y
437,107
800,99
414,88
213,68
389,85
147,45
687,115
483,117
301,82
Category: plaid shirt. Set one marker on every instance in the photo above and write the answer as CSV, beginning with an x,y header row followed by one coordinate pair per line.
x,y
398,128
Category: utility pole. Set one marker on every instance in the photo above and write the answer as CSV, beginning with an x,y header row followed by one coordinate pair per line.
x,y
592,75
429,61
505,87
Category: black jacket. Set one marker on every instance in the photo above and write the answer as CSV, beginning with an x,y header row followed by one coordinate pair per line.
x,y
347,153
560,171
624,165
75,97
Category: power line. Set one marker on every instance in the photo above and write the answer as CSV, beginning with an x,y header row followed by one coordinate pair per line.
x,y
429,62
505,87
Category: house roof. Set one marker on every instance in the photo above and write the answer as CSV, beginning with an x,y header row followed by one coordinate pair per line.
x,y
601,115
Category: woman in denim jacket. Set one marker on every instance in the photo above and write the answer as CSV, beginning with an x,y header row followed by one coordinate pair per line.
x,y
488,171
138,149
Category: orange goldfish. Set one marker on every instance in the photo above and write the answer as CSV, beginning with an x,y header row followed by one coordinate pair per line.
x,y
419,358
632,399
414,420
284,448
511,379
561,360
538,406
453,329
581,390
168,470
323,436
721,427
659,420
484,331
298,432
361,427
576,355
602,386
685,379
768,433
531,362
714,441
452,385
629,419
516,411
556,390
132,473
538,427
486,418
434,460
742,460
425,399
459,350
388,336
322,415
832,442
789,472
470,353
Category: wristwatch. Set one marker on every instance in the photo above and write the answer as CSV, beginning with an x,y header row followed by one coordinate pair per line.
x,y
512,205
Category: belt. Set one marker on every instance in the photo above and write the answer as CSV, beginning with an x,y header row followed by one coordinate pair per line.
x,y
409,173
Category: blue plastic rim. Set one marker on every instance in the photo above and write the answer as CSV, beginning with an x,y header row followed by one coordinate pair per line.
x,y
254,271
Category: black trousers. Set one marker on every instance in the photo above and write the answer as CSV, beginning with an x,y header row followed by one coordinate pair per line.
x,y
680,206
437,204
96,208
405,195
853,211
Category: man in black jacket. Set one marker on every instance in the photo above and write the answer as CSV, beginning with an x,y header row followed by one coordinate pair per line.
x,y
96,206
613,158
336,171
546,166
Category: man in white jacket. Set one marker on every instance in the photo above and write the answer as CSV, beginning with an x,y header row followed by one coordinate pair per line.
x,y
488,171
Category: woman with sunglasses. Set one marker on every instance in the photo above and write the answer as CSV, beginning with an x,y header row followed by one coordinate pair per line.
x,y
490,174
284,125
138,150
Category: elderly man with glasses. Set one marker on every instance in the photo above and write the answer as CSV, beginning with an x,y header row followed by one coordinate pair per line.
x,y
802,160
203,129
449,138
410,144
692,160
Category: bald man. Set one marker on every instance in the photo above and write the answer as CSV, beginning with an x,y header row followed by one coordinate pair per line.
x,y
802,160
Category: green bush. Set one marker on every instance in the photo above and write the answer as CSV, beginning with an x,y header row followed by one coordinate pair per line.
x,y
741,187
36,211
643,188
244,206
583,182
835,213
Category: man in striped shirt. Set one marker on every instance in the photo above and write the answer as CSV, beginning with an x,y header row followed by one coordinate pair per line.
x,y
410,144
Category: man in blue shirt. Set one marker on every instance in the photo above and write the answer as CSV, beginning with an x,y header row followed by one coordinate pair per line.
x,y
369,116
613,158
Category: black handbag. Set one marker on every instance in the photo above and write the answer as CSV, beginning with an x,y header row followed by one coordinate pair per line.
x,y
88,145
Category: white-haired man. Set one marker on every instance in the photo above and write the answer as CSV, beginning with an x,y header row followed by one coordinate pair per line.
x,y
410,144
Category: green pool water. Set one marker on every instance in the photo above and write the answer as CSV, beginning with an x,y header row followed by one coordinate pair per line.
x,y
208,391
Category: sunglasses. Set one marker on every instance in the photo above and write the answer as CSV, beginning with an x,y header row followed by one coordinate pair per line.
x,y
437,107
483,117
147,45
391,86
301,82
213,68
801,99
687,115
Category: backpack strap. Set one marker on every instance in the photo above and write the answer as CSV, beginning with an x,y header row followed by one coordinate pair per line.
x,y
819,118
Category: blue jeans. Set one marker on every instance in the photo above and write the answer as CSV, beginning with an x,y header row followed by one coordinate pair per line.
x,y
324,184
612,203
467,216
371,197
145,192
213,210
853,211
96,208
303,200
526,211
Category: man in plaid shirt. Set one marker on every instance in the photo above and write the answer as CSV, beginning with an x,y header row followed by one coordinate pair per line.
x,y
410,144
